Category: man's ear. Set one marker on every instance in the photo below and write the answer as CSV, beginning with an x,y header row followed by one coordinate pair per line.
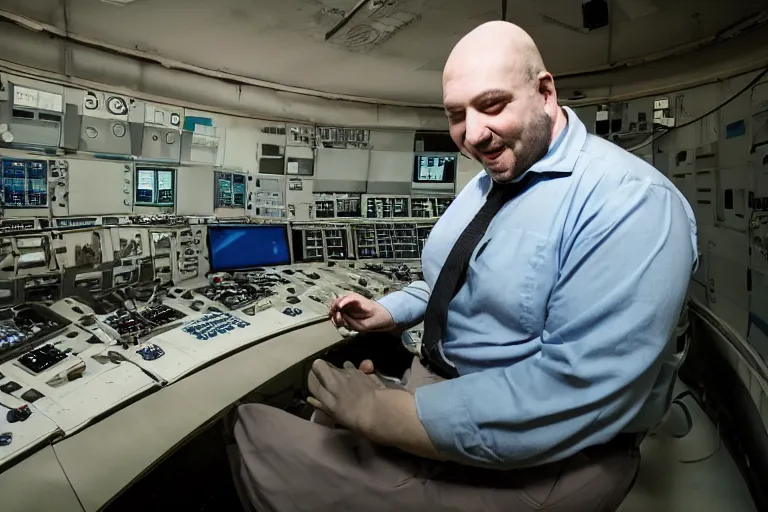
x,y
547,86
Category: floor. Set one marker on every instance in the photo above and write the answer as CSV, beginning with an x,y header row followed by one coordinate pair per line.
x,y
666,484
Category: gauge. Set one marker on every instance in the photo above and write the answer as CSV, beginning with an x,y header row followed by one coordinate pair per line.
x,y
175,119
91,101
117,106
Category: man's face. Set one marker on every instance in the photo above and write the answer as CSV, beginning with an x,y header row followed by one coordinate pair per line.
x,y
498,117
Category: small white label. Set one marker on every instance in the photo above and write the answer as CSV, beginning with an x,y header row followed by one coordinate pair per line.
x,y
32,98
50,101
293,168
24,97
602,115
661,104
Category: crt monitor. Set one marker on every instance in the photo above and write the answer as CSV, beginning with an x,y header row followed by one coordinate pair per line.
x,y
242,247
434,171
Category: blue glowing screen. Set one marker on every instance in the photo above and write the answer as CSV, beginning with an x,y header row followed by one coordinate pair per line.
x,y
243,247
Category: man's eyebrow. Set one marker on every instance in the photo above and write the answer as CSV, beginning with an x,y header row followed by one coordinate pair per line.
x,y
491,95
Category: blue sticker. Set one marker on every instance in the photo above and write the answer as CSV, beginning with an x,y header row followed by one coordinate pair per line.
x,y
191,121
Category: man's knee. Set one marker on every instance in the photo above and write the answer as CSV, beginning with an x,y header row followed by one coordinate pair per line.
x,y
257,423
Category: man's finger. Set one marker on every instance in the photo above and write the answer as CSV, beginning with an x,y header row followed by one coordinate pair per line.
x,y
314,402
338,319
366,366
325,373
349,366
347,300
320,393
353,323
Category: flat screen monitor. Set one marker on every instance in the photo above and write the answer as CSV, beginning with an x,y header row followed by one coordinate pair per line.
x,y
434,171
155,187
24,183
242,247
145,189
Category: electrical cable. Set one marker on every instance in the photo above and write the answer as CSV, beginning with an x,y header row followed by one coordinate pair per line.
x,y
744,89
678,400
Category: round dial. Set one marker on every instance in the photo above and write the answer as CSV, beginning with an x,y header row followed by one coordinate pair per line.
x,y
116,106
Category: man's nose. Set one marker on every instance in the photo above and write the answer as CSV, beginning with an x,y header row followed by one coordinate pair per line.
x,y
477,133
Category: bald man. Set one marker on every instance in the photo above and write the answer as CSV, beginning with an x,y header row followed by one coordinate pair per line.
x,y
551,289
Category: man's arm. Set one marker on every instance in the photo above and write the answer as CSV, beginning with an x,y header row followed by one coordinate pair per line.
x,y
407,306
617,299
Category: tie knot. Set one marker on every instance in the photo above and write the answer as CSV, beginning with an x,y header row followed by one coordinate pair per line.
x,y
501,190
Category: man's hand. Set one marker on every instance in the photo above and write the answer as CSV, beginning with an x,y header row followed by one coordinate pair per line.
x,y
357,313
346,394
362,403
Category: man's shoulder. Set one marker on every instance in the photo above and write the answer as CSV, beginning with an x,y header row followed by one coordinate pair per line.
x,y
604,167
606,173
612,165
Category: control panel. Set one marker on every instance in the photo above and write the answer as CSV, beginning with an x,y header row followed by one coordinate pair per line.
x,y
119,309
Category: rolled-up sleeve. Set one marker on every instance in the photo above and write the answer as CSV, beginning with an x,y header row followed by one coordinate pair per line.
x,y
407,306
622,283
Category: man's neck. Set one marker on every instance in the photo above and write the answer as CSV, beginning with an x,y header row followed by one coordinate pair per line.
x,y
559,125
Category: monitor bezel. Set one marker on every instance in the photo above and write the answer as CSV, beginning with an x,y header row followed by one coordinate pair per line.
x,y
427,154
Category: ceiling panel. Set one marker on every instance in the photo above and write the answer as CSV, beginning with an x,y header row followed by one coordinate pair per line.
x,y
391,49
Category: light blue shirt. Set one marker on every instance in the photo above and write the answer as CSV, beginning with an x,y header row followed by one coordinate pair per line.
x,y
561,333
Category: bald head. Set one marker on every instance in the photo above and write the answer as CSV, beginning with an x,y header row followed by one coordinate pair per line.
x,y
496,43
500,100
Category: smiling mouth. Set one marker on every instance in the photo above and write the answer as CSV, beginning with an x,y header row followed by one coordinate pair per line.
x,y
492,155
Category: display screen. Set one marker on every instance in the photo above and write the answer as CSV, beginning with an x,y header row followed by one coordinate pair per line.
x,y
145,187
434,169
24,183
165,187
247,246
238,190
224,185
230,190
155,187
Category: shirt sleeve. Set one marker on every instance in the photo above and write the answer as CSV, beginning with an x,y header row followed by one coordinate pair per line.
x,y
622,283
407,306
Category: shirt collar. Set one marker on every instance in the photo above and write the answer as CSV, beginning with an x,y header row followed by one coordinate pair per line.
x,y
563,152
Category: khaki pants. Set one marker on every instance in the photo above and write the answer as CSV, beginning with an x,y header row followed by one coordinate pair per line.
x,y
283,463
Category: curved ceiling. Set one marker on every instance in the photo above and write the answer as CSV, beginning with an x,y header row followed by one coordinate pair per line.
x,y
392,50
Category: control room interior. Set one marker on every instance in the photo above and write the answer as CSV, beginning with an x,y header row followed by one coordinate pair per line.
x,y
187,185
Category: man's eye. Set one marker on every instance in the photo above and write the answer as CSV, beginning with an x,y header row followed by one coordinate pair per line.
x,y
455,116
495,108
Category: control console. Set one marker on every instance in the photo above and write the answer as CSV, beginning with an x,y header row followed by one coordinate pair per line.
x,y
137,323
236,294
24,326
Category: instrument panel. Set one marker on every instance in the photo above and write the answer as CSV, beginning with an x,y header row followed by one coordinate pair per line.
x,y
100,333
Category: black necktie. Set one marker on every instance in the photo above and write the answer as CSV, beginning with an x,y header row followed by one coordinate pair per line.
x,y
454,273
